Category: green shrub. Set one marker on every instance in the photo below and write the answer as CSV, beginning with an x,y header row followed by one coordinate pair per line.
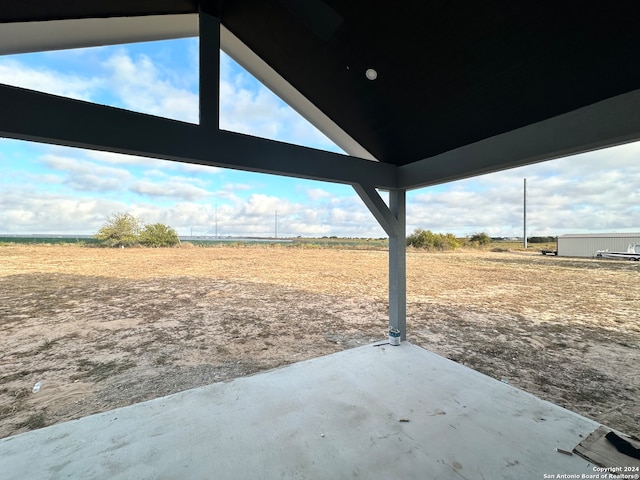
x,y
125,230
432,241
158,235
479,239
121,230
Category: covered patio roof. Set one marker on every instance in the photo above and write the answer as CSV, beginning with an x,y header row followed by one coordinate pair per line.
x,y
461,88
416,93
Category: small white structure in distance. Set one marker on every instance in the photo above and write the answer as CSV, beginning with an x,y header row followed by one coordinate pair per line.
x,y
587,244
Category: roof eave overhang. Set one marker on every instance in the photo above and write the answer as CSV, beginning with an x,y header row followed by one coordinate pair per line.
x,y
26,37
608,123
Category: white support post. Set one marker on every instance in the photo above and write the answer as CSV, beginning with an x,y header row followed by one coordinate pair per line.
x,y
393,221
398,264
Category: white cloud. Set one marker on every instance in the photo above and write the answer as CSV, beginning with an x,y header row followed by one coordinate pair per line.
x,y
591,192
317,194
155,173
87,176
137,84
93,171
250,108
42,212
142,87
79,166
16,73
338,215
158,166
173,188
27,209
194,168
46,178
236,186
118,158
256,216
259,205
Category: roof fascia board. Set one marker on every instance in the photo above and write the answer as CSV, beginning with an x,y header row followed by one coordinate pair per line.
x,y
40,117
246,58
614,121
26,37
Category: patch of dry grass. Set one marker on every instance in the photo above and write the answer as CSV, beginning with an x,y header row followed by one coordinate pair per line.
x,y
102,328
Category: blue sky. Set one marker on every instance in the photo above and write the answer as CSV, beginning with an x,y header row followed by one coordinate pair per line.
x,y
51,189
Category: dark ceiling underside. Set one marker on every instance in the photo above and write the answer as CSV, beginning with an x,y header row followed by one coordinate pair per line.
x,y
449,73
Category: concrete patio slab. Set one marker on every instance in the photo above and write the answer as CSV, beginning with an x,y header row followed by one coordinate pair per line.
x,y
374,412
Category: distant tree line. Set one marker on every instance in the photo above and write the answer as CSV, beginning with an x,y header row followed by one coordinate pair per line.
x,y
428,240
541,239
125,230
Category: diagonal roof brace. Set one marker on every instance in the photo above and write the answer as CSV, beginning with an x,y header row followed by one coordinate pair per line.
x,y
382,213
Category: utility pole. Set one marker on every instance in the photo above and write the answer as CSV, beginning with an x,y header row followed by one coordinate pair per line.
x,y
276,224
524,242
216,220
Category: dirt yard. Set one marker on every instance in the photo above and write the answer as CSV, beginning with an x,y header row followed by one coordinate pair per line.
x,y
104,328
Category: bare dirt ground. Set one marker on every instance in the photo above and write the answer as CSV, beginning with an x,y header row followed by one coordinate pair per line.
x,y
104,328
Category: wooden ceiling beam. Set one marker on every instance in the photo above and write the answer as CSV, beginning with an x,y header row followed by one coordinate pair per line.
x,y
40,117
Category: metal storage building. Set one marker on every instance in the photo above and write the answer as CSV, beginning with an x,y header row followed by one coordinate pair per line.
x,y
586,244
